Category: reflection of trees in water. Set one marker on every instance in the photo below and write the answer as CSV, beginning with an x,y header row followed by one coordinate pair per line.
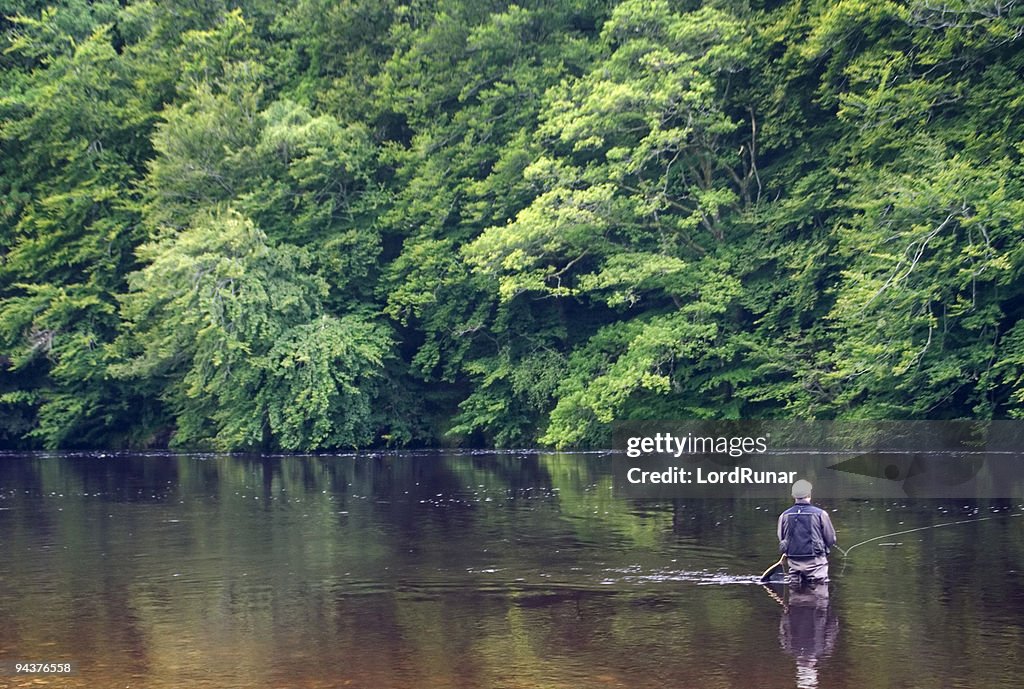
x,y
105,477
355,561
745,527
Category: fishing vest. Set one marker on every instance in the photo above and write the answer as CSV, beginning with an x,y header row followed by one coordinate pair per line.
x,y
801,531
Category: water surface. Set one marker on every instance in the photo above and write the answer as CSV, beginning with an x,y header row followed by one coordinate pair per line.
x,y
476,570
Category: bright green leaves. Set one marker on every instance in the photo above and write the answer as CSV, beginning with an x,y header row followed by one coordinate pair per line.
x,y
641,166
235,325
204,155
625,277
322,380
924,219
326,224
929,254
303,179
1007,373
211,301
56,31
313,184
512,390
228,285
605,384
641,153
540,248
623,370
73,136
651,117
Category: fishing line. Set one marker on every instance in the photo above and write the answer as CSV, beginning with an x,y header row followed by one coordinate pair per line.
x,y
925,528
921,528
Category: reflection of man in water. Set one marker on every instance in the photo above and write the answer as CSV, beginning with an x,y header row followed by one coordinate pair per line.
x,y
806,535
808,632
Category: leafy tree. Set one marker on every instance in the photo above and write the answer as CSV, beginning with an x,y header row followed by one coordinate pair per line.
x,y
73,137
235,328
318,224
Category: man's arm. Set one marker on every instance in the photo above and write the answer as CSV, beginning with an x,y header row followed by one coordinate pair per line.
x,y
828,532
779,528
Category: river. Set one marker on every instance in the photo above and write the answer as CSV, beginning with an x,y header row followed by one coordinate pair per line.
x,y
477,570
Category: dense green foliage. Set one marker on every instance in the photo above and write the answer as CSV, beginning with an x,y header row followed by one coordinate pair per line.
x,y
318,224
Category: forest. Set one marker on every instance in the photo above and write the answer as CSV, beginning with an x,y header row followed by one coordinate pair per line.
x,y
270,225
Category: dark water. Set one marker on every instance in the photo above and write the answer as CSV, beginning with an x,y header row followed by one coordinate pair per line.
x,y
476,570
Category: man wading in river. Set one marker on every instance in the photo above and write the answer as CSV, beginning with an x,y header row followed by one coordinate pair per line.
x,y
805,537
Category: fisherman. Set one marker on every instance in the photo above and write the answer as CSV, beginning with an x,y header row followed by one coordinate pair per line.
x,y
806,536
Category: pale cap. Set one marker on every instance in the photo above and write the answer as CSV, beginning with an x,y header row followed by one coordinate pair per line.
x,y
802,489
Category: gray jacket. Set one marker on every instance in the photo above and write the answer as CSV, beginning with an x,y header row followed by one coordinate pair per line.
x,y
824,534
